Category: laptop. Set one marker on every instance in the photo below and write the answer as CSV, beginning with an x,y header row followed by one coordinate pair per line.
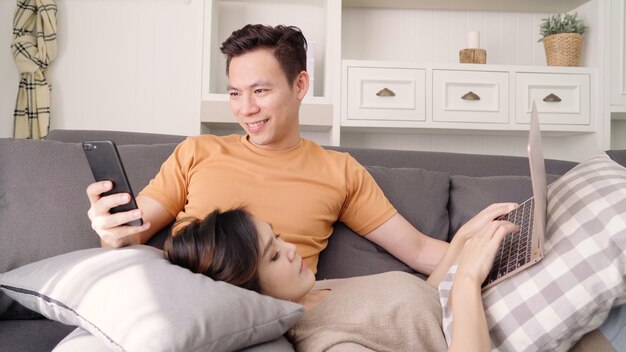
x,y
524,248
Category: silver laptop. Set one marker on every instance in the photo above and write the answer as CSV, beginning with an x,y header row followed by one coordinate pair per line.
x,y
523,248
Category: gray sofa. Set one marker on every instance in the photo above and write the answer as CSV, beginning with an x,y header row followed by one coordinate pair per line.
x,y
43,207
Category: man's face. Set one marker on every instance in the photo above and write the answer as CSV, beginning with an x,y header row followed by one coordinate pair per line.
x,y
263,101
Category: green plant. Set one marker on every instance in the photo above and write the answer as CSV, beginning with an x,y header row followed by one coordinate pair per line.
x,y
561,23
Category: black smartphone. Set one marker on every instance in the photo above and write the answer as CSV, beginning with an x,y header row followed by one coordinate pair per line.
x,y
105,164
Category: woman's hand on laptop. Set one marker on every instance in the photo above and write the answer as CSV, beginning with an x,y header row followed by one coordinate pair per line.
x,y
477,256
110,227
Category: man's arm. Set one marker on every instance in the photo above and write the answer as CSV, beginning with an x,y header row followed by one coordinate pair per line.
x,y
111,228
398,237
425,254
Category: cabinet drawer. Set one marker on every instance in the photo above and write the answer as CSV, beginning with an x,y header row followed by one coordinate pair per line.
x,y
470,96
561,99
392,94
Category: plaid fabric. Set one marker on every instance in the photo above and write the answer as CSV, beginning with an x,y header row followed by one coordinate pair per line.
x,y
551,305
34,46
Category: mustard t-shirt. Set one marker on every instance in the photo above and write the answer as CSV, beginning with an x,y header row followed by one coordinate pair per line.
x,y
301,191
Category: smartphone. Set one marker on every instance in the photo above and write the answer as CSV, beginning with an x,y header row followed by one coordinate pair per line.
x,y
105,164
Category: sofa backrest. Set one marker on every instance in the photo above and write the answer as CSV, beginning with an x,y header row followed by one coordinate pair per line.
x,y
119,137
417,183
454,163
43,203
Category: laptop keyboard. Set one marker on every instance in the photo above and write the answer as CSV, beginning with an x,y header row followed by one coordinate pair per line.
x,y
516,247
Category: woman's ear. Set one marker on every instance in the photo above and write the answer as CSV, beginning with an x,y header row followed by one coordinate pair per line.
x,y
302,84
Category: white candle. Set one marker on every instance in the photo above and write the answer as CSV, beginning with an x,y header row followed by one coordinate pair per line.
x,y
473,39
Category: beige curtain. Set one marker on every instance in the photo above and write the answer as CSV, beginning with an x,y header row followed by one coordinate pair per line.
x,y
34,46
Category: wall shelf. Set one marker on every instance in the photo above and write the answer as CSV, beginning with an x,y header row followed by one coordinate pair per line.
x,y
315,114
482,5
459,131
406,33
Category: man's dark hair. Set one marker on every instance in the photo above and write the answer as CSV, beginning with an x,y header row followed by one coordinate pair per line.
x,y
286,42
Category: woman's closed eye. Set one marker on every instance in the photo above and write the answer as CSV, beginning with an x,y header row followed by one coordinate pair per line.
x,y
277,253
275,256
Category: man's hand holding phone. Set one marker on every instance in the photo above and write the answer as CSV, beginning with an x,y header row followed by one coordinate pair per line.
x,y
114,213
112,228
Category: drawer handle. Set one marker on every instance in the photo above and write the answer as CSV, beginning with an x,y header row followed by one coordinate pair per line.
x,y
470,96
386,92
552,98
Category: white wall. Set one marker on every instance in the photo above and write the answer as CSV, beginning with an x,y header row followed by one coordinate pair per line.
x,y
131,65
308,16
509,38
426,35
136,65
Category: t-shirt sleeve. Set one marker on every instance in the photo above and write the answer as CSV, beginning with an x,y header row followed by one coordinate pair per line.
x,y
366,207
169,186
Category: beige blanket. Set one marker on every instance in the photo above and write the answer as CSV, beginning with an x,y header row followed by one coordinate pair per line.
x,y
393,311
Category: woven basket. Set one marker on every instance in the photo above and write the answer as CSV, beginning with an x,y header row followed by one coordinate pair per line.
x,y
563,49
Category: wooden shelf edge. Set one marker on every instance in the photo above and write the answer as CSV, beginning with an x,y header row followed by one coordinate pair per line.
x,y
547,132
235,126
551,6
314,117
618,115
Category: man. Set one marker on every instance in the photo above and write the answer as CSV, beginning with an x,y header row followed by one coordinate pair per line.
x,y
291,183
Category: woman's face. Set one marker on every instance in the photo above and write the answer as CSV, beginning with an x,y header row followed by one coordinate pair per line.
x,y
282,272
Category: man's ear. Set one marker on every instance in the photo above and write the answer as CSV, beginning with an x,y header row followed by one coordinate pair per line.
x,y
302,84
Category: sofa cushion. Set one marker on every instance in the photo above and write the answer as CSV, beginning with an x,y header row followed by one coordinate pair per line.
x,y
419,195
43,200
110,292
469,195
549,306
40,335
619,155
81,340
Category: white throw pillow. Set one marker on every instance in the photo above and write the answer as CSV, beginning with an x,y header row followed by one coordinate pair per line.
x,y
81,340
133,299
551,305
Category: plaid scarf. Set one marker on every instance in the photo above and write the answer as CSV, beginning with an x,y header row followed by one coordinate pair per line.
x,y
34,46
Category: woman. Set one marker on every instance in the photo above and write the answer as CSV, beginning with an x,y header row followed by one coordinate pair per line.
x,y
235,247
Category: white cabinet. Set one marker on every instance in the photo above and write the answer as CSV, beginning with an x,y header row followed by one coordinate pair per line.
x,y
470,96
616,11
385,94
562,99
618,56
380,95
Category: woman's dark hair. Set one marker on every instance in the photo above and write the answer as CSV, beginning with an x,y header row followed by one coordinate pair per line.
x,y
286,42
223,246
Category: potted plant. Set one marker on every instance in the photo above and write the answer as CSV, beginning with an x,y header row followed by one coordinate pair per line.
x,y
562,36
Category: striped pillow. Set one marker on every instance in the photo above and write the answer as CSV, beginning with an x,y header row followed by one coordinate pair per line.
x,y
551,305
